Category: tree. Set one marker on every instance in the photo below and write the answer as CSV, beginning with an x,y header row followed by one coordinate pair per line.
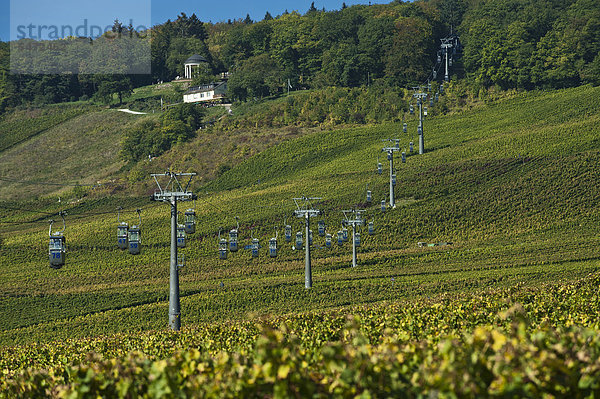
x,y
108,86
268,17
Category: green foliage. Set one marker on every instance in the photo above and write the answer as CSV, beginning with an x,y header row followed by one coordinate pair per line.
x,y
152,137
325,107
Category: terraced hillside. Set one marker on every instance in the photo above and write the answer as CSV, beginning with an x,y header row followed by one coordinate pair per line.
x,y
511,185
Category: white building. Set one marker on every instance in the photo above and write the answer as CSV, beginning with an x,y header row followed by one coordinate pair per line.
x,y
208,92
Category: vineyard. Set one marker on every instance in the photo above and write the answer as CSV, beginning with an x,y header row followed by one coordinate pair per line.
x,y
508,307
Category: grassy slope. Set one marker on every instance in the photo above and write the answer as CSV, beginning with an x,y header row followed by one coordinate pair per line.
x,y
512,186
81,150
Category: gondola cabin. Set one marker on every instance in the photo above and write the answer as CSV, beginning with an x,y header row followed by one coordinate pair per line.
x,y
404,127
424,111
389,155
371,228
369,196
288,233
222,248
233,240
273,247
393,179
340,238
403,157
255,246
397,144
310,241
379,168
181,236
321,225
431,102
382,205
411,147
57,249
134,238
345,234
357,239
328,240
411,109
299,240
122,231
190,221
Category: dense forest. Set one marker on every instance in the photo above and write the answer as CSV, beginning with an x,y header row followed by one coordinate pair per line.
x,y
523,44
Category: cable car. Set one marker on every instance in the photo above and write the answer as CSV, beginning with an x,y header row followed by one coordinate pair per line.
x,y
428,87
411,147
288,233
356,239
369,196
404,127
389,155
371,228
340,237
328,240
411,109
299,240
181,236
310,240
379,168
450,61
382,205
431,102
233,240
403,156
434,74
344,234
233,237
273,247
393,179
57,246
134,238
134,235
321,225
439,58
122,229
397,144
222,248
437,96
419,130
190,221
424,111
255,246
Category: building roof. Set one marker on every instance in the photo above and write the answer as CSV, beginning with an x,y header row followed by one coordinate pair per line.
x,y
195,59
204,88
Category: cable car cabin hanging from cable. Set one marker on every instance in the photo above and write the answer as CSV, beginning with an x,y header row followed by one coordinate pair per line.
x,y
134,240
411,147
299,240
233,240
181,236
122,232
345,234
369,196
328,240
340,238
57,246
357,239
190,221
371,228
379,168
273,247
382,205
403,156
393,179
404,127
255,247
222,248
288,233
321,225
310,237
122,229
411,109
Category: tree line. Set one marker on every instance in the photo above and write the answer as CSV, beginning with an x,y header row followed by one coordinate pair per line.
x,y
522,44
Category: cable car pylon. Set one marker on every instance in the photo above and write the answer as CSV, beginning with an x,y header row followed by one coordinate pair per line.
x,y
171,193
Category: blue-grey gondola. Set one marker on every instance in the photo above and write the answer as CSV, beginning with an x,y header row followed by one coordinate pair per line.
x,y
190,221
181,236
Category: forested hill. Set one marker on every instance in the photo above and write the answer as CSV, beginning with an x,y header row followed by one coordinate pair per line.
x,y
510,43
